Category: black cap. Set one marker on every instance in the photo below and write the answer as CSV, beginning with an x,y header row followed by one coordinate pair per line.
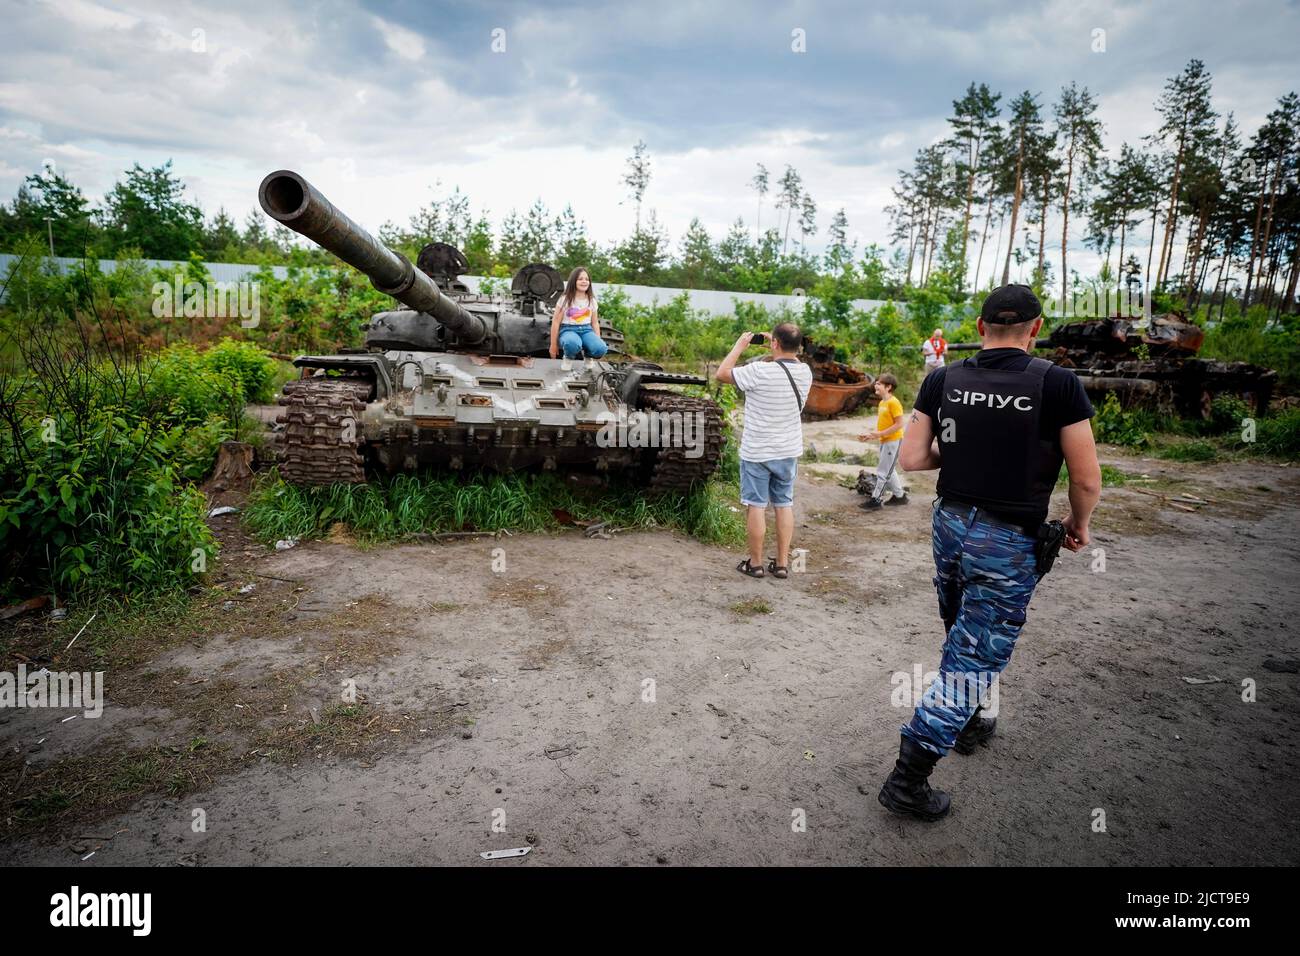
x,y
1011,305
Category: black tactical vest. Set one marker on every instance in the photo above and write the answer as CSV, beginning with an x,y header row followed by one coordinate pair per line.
x,y
991,453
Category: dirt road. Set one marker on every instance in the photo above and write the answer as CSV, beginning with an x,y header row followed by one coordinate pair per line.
x,y
636,701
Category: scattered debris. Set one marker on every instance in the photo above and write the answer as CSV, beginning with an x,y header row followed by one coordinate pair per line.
x,y
248,589
31,604
284,544
82,631
1182,502
506,854
224,510
1203,680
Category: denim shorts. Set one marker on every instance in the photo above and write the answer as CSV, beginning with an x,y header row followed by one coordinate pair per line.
x,y
764,482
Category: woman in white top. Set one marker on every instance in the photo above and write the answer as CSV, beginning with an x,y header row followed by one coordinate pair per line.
x,y
575,326
933,349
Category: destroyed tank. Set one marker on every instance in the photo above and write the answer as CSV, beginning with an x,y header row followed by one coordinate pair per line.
x,y
837,388
1152,364
464,381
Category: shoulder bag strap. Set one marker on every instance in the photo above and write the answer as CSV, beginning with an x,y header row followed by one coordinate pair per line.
x,y
797,398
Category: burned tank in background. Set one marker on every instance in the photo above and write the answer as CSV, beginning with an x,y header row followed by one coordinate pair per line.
x,y
465,381
1152,364
837,388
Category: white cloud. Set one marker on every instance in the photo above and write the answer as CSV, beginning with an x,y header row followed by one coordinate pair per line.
x,y
405,43
312,88
83,13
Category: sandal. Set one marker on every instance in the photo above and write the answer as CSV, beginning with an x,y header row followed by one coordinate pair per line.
x,y
779,571
744,567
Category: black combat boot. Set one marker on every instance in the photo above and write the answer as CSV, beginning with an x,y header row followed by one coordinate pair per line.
x,y
977,731
871,504
907,790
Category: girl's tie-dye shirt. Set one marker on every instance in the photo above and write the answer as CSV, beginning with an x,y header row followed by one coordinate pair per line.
x,y
578,314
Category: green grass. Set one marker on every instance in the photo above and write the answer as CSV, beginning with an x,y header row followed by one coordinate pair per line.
x,y
430,504
1112,477
835,456
1199,449
751,608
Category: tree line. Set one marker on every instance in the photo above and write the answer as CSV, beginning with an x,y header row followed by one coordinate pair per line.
x,y
1194,183
149,214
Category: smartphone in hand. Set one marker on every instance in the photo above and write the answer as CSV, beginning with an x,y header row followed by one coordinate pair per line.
x,y
758,338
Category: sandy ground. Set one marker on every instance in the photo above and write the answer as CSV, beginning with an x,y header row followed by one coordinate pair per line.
x,y
755,720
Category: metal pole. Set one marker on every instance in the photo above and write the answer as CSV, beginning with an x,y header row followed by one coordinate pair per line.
x,y
49,225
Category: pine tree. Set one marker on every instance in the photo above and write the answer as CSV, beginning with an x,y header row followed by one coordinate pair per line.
x,y
1187,123
760,184
1026,133
789,195
637,177
1078,134
974,116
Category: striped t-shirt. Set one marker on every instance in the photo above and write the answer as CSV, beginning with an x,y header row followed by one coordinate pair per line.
x,y
772,426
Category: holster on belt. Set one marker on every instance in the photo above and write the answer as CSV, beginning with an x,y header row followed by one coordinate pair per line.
x,y
1050,536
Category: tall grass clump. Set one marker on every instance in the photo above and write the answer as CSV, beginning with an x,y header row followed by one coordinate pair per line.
x,y
434,503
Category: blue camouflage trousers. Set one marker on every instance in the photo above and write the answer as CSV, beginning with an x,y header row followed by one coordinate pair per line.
x,y
984,576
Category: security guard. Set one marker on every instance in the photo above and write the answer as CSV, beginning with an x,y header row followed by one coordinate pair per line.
x,y
997,426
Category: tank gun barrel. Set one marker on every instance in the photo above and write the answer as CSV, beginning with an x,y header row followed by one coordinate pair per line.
x,y
289,199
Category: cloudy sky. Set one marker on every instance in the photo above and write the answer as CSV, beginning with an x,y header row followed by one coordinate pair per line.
x,y
385,105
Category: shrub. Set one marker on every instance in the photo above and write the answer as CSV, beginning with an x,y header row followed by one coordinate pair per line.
x,y
1119,427
1279,434
95,449
180,388
254,369
1226,413
100,508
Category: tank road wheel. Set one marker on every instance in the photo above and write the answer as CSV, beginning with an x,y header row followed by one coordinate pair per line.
x,y
321,440
669,468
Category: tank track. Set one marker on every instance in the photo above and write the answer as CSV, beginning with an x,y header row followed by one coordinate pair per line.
x,y
322,431
670,470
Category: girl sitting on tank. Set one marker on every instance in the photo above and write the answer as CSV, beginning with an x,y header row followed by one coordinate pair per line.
x,y
575,326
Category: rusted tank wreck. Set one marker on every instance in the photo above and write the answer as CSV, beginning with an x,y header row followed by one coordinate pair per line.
x,y
837,388
1152,365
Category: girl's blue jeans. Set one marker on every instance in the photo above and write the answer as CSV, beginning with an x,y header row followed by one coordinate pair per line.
x,y
575,339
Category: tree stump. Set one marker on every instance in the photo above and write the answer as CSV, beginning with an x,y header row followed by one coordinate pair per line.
x,y
234,468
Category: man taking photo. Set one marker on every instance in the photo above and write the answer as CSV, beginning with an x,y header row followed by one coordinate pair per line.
x,y
776,387
997,426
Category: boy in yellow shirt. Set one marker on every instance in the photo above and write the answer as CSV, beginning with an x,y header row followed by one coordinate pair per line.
x,y
889,432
